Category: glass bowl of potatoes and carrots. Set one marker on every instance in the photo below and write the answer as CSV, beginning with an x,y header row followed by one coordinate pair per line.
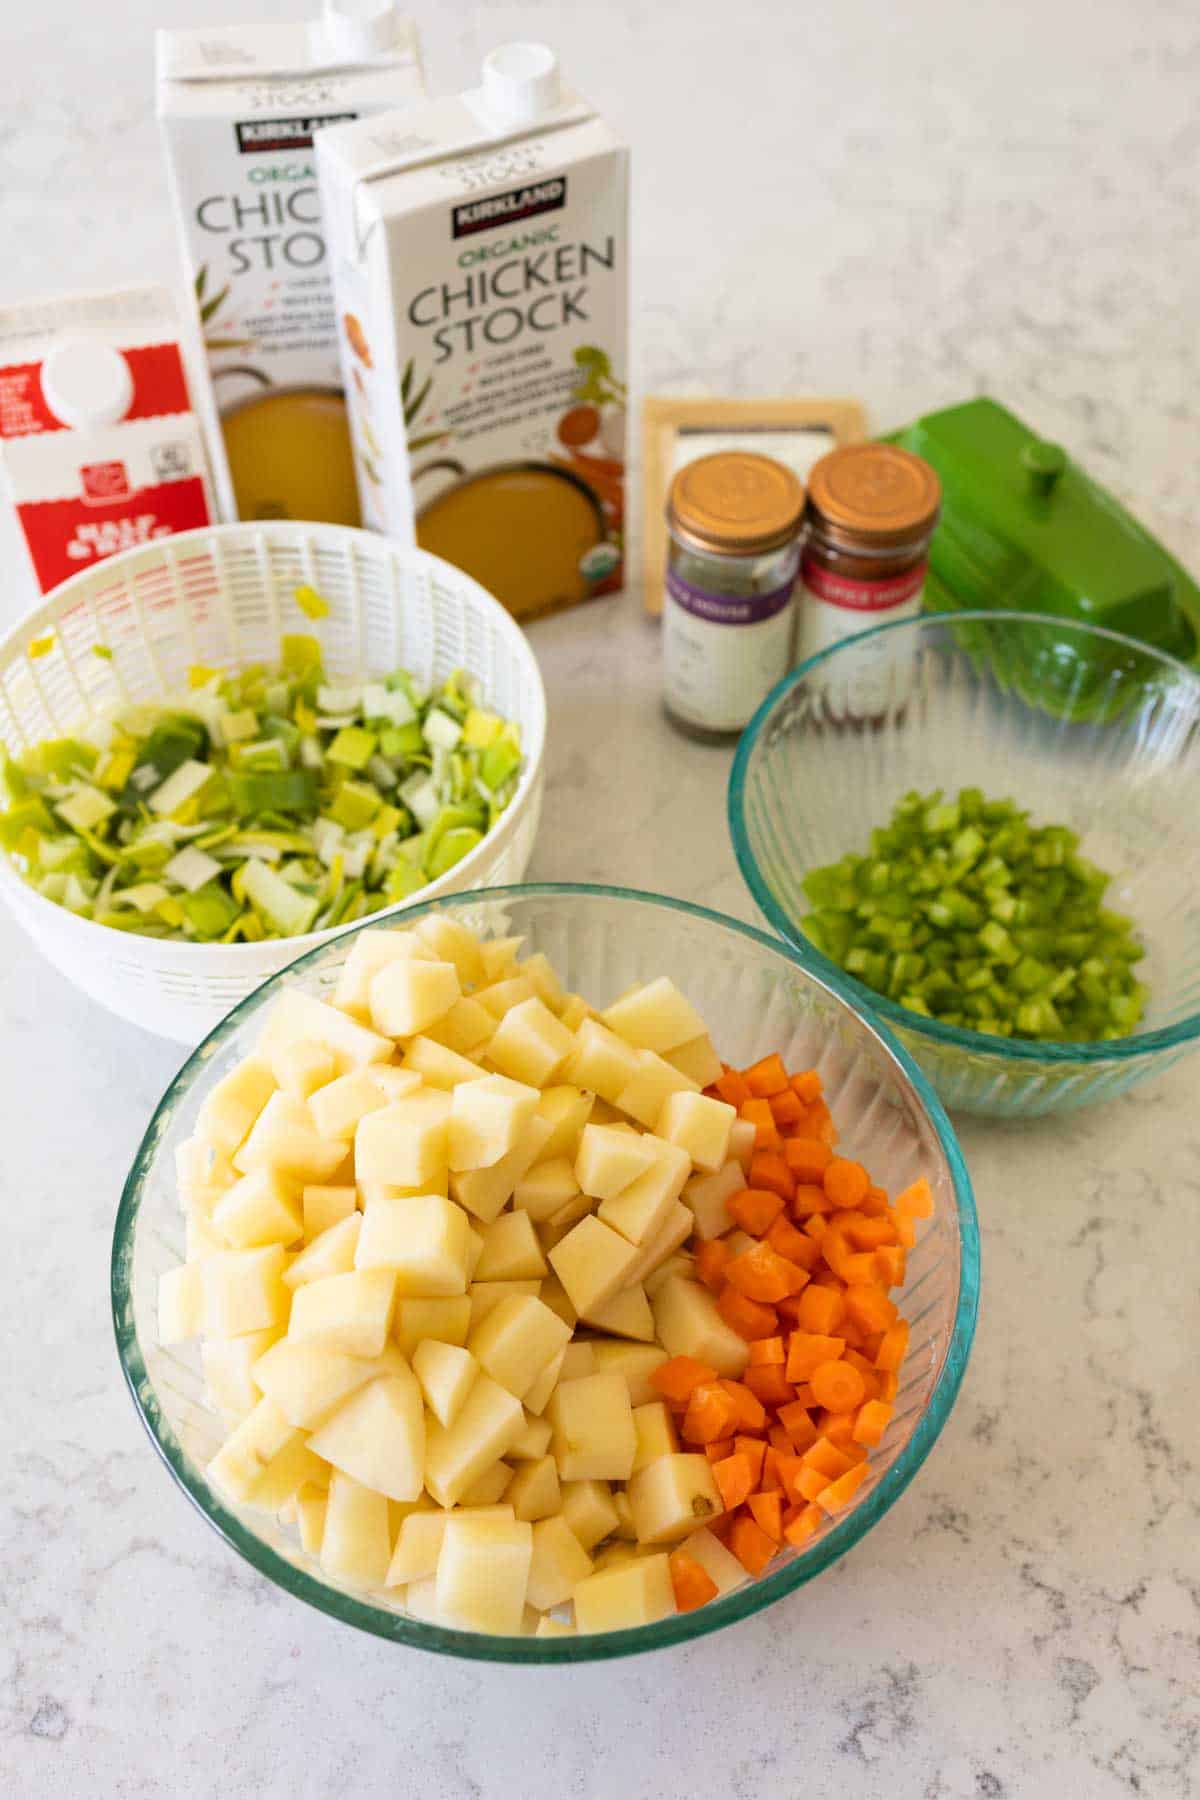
x,y
505,1327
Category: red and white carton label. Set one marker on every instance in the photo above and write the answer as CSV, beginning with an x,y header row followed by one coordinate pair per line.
x,y
84,492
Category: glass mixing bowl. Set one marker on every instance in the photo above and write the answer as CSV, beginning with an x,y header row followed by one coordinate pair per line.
x,y
758,998
1081,726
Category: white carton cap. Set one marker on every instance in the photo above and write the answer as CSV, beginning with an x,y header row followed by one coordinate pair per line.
x,y
361,28
86,383
520,82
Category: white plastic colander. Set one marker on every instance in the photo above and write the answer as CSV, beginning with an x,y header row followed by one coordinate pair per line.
x,y
225,595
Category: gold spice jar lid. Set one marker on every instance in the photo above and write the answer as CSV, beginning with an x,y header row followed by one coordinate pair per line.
x,y
735,503
877,494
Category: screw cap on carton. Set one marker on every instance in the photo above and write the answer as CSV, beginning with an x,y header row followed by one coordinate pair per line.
x,y
361,28
86,383
520,82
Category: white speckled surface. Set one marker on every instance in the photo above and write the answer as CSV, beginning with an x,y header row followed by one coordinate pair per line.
x,y
911,204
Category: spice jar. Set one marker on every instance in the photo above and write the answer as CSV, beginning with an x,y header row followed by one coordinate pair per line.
x,y
870,514
733,519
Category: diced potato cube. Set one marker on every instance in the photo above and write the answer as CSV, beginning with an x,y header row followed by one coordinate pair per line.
x,y
588,1509
635,1593
408,996
351,1313
394,1082
418,1546
592,1420
720,1564
538,1396
420,1601
540,970
634,1362
601,1061
306,1381
516,1340
742,1139
451,941
566,1109
486,1192
180,1303
569,1213
404,1142
486,1295
330,1254
626,1315
487,1489
262,1208
249,1448
326,1206
501,996
579,1358
447,1374
447,1320
675,1230
654,1017
554,1295
378,1436
656,1434
698,1125
229,1111
544,1188
533,1492
466,1028
436,1065
311,1503
625,1526
529,1043
491,1419
558,1564
337,1107
371,951
284,1137
640,1210
297,1016
295,1466
303,1067
356,1542
697,1060
200,1237
229,1378
511,1251
593,1263
653,1080
688,1324
533,1442
671,1496
574,1010
483,1572
499,957
681,1263
487,1118
243,1290
609,1159
707,1196
424,1240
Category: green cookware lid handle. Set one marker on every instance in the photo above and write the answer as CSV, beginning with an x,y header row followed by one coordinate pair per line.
x,y
1044,463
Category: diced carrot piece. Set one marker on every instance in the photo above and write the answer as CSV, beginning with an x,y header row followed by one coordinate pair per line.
x,y
751,1413
835,1250
840,1492
838,1386
693,1585
787,1241
769,1384
762,1275
711,1413
766,1133
826,1458
678,1378
807,1158
866,1368
769,1170
838,1428
787,1111
808,1350
859,1269
769,1481
906,1229
735,1478
799,1529
870,1308
810,1482
766,1077
845,1181
719,1449
809,1199
732,1088
756,1450
855,1338
712,1256
754,1209
889,1385
816,1227
916,1200
807,1086
797,1422
891,1263
805,1396
747,1317
894,1347
787,1470
779,1440
768,1350
767,1511
871,1234
872,1421
750,1544
819,1310
820,1123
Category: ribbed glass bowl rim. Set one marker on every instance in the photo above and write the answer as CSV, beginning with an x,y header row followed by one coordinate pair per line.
x,y
863,998
415,1633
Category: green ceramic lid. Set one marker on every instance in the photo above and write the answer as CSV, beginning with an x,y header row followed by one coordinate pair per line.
x,y
1023,527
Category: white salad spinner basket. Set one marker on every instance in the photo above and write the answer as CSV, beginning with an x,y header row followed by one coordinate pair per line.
x,y
129,629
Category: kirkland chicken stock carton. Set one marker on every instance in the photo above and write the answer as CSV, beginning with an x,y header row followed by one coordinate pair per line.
x,y
99,443
239,107
480,250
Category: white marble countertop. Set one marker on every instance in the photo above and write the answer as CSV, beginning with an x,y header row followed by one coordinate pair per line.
x,y
909,204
